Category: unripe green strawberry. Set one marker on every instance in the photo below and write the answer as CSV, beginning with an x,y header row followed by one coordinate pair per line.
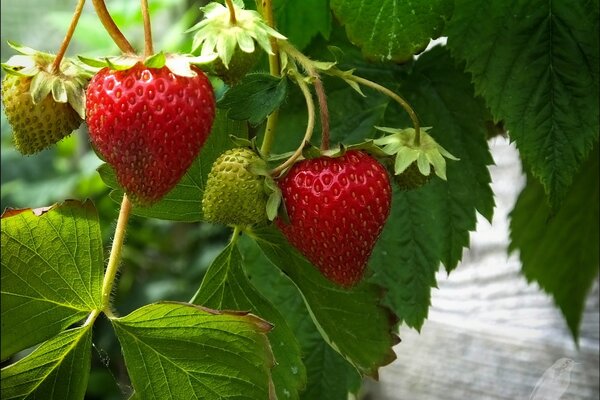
x,y
35,126
234,194
240,64
411,178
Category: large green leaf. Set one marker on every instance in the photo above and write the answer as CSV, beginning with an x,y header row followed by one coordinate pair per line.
x,y
432,224
182,351
329,375
226,287
392,30
536,65
52,265
560,252
57,370
184,201
351,320
315,20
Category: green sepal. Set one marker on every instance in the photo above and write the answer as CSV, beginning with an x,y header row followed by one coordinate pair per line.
x,y
428,153
240,142
274,200
157,60
67,85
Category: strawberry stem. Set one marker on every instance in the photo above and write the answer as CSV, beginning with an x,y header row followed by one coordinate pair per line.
x,y
382,89
232,19
65,43
308,66
310,126
115,255
148,49
111,27
266,8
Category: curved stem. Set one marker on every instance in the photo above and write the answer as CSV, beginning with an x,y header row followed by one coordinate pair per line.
x,y
310,126
397,98
111,27
115,254
232,19
148,49
65,43
308,66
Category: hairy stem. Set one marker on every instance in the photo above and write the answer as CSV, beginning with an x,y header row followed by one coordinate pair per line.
x,y
308,66
65,43
403,103
310,126
232,19
148,48
111,27
115,254
266,8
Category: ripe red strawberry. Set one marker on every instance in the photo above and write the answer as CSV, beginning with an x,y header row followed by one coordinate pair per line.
x,y
337,208
149,124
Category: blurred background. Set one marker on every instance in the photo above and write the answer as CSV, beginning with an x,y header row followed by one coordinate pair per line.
x,y
490,335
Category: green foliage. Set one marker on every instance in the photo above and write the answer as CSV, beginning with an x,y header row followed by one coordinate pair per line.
x,y
257,96
392,30
536,65
57,370
226,287
315,20
560,251
51,271
175,350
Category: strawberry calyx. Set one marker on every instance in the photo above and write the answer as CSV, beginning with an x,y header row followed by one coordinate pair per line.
x,y
427,154
178,64
218,35
67,85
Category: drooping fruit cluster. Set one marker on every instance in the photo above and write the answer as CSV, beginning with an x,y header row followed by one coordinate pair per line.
x,y
337,208
234,194
150,125
42,104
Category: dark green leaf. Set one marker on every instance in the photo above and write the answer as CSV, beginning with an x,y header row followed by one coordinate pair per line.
x,y
181,351
330,376
184,202
350,320
392,30
226,287
316,19
560,252
52,265
57,370
257,96
536,65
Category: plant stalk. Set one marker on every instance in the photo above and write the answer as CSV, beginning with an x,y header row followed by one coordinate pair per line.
x,y
115,254
65,43
232,19
403,103
148,48
112,28
310,106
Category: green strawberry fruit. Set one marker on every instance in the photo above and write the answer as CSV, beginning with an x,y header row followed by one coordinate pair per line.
x,y
35,126
240,64
234,194
411,178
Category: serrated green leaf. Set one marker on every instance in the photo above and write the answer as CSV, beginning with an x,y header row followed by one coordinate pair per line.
x,y
340,314
536,65
560,252
316,19
57,370
184,202
257,96
178,350
443,97
52,266
392,30
226,287
329,375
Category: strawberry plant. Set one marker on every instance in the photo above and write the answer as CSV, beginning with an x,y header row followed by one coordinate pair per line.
x,y
346,158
